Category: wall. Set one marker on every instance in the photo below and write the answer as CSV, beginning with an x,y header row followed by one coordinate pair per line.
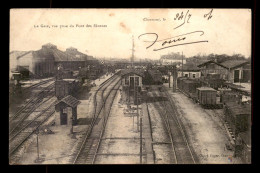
x,y
26,60
190,74
214,68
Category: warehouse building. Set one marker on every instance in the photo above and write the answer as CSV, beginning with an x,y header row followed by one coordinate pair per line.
x,y
45,62
231,70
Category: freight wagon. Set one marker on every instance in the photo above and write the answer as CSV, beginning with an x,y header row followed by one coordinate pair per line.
x,y
237,115
207,97
188,86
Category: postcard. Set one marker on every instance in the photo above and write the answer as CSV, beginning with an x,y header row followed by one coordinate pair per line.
x,y
130,86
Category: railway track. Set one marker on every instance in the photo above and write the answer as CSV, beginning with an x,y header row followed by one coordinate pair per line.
x,y
16,120
23,123
182,151
25,131
28,89
102,105
151,130
32,99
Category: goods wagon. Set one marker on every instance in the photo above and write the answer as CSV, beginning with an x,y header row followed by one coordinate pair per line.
x,y
206,96
237,115
188,86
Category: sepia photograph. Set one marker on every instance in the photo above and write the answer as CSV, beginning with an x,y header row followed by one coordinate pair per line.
x,y
130,86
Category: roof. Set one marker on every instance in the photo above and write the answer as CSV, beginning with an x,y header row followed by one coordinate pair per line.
x,y
19,54
173,56
205,89
70,101
189,67
74,52
208,62
50,51
234,63
49,46
229,64
56,54
135,71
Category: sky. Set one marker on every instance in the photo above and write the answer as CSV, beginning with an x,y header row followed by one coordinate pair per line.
x,y
227,31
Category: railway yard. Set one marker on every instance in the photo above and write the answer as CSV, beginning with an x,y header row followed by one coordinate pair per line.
x,y
117,118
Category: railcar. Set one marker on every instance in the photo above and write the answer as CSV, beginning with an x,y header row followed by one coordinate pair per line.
x,y
207,97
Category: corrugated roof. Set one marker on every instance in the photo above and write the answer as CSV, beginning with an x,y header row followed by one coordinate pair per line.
x,y
69,100
233,63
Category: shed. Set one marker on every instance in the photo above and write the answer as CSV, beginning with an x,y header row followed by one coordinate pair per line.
x,y
66,111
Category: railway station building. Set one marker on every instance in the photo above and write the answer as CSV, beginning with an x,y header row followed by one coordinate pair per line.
x,y
45,61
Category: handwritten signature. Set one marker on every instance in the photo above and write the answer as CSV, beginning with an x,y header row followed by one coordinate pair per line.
x,y
169,42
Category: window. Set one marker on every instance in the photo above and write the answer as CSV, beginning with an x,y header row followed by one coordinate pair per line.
x,y
126,81
137,81
193,75
186,75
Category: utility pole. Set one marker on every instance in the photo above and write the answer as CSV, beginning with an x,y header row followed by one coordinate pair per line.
x,y
141,140
137,112
133,99
37,133
38,160
72,118
182,65
174,74
169,76
133,50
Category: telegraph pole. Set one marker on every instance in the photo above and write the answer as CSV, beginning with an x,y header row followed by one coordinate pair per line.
x,y
137,112
174,74
182,65
37,132
141,140
169,76
133,50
